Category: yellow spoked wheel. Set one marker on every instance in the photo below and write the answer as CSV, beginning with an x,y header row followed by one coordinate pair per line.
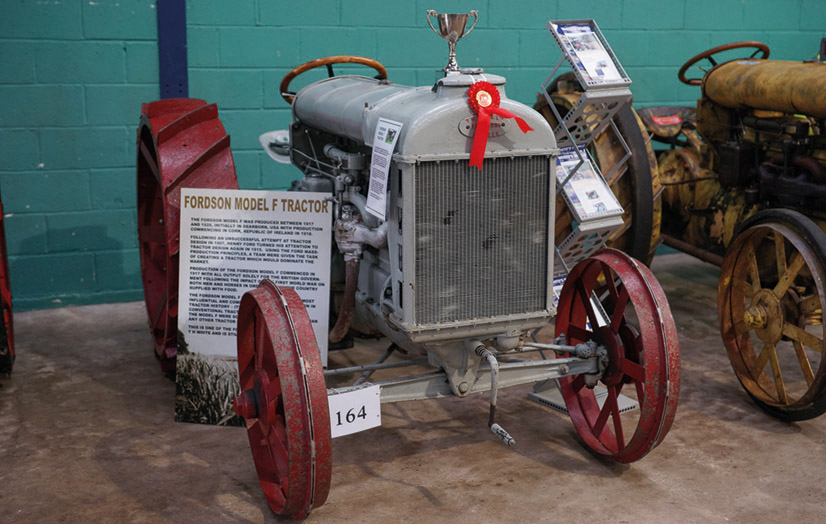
x,y
770,296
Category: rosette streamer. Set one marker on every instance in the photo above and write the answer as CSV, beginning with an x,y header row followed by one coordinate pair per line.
x,y
483,98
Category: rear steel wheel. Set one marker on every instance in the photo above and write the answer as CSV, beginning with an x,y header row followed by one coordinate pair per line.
x,y
284,400
770,296
181,143
7,324
643,363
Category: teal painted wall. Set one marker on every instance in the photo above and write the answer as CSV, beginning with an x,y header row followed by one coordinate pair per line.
x,y
73,75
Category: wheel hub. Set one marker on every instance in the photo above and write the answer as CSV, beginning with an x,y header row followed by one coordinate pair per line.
x,y
246,404
616,353
765,316
257,402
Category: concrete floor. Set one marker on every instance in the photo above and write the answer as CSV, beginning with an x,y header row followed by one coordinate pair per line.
x,y
87,435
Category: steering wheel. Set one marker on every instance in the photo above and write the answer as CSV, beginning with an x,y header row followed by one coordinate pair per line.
x,y
288,95
759,47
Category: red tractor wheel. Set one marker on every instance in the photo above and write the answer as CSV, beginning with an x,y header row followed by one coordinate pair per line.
x,y
284,399
6,326
181,143
616,301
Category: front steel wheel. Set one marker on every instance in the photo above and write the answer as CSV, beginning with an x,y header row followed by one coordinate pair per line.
x,y
284,400
614,300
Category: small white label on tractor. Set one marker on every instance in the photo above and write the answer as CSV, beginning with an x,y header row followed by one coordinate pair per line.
x,y
384,141
355,411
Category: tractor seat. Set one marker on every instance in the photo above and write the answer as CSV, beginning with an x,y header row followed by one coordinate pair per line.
x,y
666,122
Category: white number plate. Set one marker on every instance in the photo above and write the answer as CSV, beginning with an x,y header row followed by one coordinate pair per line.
x,y
355,411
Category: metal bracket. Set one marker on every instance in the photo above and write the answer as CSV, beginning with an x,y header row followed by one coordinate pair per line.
x,y
577,129
172,64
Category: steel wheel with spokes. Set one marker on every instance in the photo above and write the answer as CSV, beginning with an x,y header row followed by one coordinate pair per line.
x,y
616,301
284,399
770,300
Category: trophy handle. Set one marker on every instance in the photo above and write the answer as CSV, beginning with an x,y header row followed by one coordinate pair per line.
x,y
434,13
475,14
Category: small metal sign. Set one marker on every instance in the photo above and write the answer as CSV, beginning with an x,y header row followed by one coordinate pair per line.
x,y
354,411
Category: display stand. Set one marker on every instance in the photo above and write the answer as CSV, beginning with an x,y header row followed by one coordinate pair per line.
x,y
605,90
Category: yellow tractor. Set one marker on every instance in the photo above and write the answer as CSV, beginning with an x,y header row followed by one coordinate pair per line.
x,y
745,188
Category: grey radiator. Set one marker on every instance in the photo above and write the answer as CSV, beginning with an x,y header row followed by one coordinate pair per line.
x,y
481,239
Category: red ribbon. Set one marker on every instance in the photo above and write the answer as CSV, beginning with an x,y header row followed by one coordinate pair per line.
x,y
483,98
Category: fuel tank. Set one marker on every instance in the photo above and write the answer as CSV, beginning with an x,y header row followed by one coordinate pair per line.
x,y
436,121
771,85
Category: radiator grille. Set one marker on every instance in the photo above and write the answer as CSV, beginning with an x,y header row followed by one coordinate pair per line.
x,y
481,239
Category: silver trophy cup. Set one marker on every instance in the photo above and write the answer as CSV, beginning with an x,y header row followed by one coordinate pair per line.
x,y
452,28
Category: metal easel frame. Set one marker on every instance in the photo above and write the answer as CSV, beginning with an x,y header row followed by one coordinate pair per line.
x,y
590,116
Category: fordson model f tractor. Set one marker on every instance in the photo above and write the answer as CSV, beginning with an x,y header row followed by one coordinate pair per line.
x,y
459,270
745,188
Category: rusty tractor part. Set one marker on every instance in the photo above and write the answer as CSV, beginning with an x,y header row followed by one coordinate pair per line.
x,y
641,354
700,214
636,184
754,142
769,85
673,125
7,325
327,62
284,400
746,190
181,143
770,300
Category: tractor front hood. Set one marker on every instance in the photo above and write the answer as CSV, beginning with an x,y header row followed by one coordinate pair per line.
x,y
435,121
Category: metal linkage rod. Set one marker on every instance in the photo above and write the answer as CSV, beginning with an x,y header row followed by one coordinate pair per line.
x,y
366,367
584,350
384,356
498,430
557,348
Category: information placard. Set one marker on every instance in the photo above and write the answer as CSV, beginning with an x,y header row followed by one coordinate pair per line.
x,y
587,193
230,241
384,141
355,411
588,53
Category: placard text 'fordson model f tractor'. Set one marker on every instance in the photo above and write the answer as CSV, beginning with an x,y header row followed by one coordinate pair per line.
x,y
444,244
746,190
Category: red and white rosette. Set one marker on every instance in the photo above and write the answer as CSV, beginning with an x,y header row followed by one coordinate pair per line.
x,y
483,98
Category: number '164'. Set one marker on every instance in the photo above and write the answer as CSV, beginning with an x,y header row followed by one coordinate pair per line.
x,y
350,416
